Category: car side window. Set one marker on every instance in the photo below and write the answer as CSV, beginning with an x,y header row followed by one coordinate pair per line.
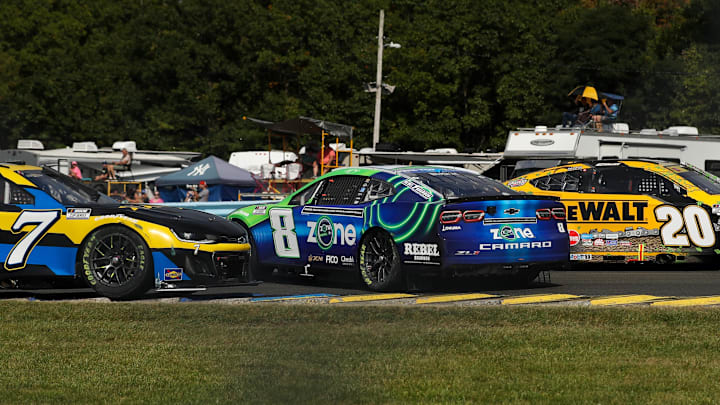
x,y
341,190
569,181
611,180
374,189
306,196
12,194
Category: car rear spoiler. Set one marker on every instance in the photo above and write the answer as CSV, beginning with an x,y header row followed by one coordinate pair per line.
x,y
501,197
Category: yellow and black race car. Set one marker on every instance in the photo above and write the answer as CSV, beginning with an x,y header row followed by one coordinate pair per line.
x,y
53,228
634,210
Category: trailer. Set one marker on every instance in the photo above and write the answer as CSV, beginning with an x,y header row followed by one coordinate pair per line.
x,y
530,149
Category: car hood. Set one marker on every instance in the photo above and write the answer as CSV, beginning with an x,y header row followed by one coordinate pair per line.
x,y
180,219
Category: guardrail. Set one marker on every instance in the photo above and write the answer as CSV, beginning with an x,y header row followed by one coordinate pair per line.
x,y
220,208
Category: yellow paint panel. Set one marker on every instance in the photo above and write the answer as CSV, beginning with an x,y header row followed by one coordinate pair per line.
x,y
370,297
625,300
453,297
16,178
539,299
689,302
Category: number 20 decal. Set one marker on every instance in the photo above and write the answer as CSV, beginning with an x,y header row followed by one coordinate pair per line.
x,y
284,237
695,220
17,258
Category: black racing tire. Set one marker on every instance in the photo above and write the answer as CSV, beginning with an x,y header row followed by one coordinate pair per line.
x,y
117,263
379,261
257,271
524,277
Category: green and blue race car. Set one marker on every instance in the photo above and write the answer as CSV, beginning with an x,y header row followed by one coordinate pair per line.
x,y
383,221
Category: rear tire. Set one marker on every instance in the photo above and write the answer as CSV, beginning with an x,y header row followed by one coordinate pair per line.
x,y
116,262
379,261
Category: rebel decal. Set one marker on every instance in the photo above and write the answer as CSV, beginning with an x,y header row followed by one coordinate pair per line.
x,y
624,211
421,251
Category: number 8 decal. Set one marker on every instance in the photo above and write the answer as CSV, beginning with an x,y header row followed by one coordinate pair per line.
x,y
284,237
695,220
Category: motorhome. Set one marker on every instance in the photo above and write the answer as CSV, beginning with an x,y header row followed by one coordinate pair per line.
x,y
530,149
147,165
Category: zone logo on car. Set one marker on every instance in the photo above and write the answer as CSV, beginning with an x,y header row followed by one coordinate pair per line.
x,y
507,232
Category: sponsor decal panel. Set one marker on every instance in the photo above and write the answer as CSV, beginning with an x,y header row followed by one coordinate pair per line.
x,y
516,182
347,260
325,233
78,213
574,237
446,228
611,242
467,253
515,245
417,189
315,258
173,274
602,211
577,256
508,232
423,252
260,210
599,242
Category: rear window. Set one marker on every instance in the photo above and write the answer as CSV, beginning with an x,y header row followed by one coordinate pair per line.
x,y
707,182
457,184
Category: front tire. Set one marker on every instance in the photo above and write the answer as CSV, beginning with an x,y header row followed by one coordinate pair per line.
x,y
257,270
116,262
379,261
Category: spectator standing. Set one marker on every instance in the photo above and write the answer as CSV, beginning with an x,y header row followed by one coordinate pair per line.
x,y
204,193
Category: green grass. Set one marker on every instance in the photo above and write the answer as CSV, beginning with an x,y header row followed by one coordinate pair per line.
x,y
204,353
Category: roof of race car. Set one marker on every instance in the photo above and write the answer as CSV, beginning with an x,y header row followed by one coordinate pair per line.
x,y
398,170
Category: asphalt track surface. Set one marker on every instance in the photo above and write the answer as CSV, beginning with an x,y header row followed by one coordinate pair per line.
x,y
642,284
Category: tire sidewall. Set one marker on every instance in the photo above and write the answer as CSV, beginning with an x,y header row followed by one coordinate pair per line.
x,y
391,282
137,285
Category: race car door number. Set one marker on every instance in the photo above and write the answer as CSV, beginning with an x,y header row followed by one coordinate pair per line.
x,y
694,219
284,236
17,258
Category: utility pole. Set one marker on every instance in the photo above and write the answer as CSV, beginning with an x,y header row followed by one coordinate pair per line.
x,y
378,82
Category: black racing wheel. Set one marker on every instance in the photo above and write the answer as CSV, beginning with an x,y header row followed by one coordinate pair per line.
x,y
379,261
117,263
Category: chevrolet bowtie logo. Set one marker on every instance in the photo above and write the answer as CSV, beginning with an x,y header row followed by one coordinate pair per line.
x,y
511,211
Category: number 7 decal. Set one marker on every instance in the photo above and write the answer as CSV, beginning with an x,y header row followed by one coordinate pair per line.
x,y
17,258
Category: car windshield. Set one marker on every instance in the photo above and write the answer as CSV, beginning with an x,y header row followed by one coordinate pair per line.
x,y
707,182
64,189
459,184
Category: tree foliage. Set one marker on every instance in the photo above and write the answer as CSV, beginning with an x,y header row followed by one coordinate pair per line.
x,y
182,74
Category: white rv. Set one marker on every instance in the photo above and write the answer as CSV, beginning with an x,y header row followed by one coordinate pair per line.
x,y
529,149
146,165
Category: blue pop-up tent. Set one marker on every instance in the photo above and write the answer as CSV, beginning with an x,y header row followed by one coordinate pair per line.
x,y
224,180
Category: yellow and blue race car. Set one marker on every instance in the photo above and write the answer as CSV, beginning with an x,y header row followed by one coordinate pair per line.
x,y
634,210
54,229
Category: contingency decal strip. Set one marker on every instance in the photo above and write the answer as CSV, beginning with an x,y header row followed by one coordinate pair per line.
x,y
342,212
437,299
625,300
540,298
370,297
